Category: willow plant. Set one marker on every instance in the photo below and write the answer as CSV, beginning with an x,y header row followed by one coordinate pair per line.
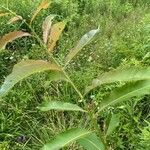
x,y
135,81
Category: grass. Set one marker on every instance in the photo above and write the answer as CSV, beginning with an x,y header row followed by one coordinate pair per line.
x,y
123,40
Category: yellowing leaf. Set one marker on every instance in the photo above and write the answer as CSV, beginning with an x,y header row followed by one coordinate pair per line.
x,y
25,69
14,19
55,33
3,14
83,41
46,27
11,36
43,5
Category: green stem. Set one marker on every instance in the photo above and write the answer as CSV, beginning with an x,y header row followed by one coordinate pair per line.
x,y
97,128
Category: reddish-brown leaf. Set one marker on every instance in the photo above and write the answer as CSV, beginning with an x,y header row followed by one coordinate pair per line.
x,y
10,37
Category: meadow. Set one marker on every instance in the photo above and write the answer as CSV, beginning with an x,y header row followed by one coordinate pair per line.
x,y
48,97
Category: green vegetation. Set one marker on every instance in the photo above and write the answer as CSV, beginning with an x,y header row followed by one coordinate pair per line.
x,y
75,74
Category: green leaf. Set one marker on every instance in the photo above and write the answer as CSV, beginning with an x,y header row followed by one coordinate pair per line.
x,y
61,106
126,92
56,76
121,75
25,69
114,122
83,41
65,138
91,142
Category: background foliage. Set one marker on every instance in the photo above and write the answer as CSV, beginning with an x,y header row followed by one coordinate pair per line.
x,y
123,41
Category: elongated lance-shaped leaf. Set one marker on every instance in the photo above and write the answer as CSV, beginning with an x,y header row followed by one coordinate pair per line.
x,y
14,19
4,14
11,36
43,5
121,75
23,70
83,41
59,106
91,142
126,92
46,27
113,123
65,138
55,33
